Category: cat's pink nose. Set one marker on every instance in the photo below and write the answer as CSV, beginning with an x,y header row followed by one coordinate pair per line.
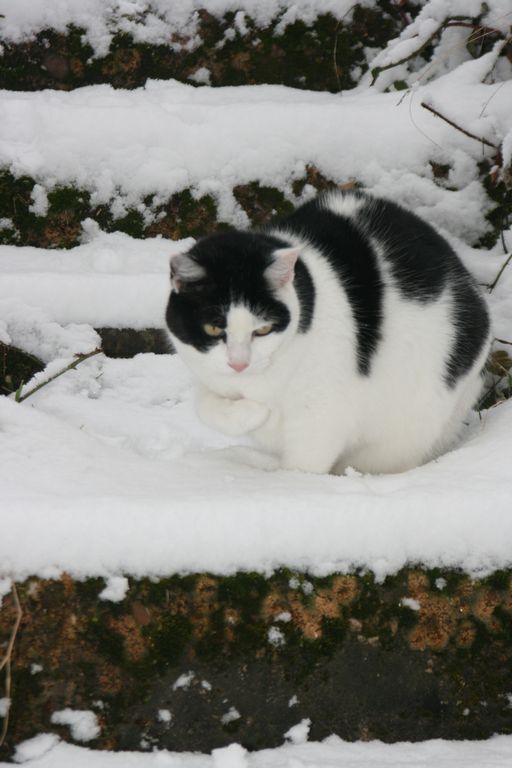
x,y
238,367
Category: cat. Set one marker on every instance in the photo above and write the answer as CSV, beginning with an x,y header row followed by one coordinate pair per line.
x,y
346,334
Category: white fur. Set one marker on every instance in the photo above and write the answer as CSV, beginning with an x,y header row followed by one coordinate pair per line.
x,y
302,397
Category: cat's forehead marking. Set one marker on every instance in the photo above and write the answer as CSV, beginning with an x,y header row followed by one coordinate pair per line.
x,y
240,321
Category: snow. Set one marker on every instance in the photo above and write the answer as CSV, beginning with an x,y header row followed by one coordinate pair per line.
x,y
100,282
107,471
410,602
83,724
36,748
230,716
298,734
123,146
46,751
151,21
164,494
233,756
5,588
184,681
450,51
115,590
276,637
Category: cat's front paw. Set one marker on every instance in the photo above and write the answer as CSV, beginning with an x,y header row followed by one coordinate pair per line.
x,y
248,415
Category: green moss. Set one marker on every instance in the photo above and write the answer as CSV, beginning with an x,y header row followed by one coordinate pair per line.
x,y
211,647
500,214
244,591
320,56
168,640
261,202
334,632
16,367
452,580
132,224
108,642
505,619
88,590
157,592
498,580
368,601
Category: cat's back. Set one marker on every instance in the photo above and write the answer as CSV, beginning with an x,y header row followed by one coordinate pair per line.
x,y
392,265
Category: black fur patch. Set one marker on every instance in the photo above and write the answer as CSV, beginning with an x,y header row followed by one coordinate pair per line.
x,y
355,264
471,322
423,265
421,262
234,263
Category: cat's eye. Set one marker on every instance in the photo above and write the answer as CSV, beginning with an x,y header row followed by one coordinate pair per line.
x,y
213,330
263,330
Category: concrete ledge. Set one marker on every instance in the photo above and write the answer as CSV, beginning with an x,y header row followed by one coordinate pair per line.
x,y
325,55
424,655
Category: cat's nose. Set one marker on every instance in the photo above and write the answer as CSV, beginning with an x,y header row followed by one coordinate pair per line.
x,y
238,367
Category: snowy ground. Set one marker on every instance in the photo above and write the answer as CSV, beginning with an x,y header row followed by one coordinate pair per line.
x,y
107,471
47,752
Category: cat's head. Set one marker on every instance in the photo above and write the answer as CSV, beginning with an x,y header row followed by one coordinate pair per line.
x,y
232,301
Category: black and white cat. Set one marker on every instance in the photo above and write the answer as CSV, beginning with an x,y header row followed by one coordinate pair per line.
x,y
345,334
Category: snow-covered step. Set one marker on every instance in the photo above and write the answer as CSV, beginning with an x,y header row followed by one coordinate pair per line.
x,y
177,160
320,45
197,662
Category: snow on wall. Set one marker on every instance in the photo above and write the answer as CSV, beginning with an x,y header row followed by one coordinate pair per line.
x,y
125,145
47,751
431,21
151,21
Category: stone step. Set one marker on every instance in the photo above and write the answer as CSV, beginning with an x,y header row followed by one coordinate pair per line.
x,y
196,662
181,215
324,54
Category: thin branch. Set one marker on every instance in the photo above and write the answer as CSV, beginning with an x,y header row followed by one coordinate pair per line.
x,y
6,661
504,341
505,264
335,48
458,127
80,359
378,70
335,55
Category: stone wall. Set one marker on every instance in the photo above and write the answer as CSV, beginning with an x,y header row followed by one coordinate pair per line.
x,y
425,654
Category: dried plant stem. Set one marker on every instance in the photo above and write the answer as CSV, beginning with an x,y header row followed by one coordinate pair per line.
x,y
6,661
80,359
505,264
458,127
377,71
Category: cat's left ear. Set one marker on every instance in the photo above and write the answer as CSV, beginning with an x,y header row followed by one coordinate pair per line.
x,y
281,270
185,270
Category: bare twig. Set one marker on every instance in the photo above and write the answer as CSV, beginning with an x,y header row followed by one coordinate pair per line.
x,y
335,55
335,48
505,264
378,70
80,359
7,660
478,34
504,341
458,127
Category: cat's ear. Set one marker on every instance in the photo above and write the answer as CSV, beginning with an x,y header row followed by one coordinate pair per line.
x,y
185,270
281,270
